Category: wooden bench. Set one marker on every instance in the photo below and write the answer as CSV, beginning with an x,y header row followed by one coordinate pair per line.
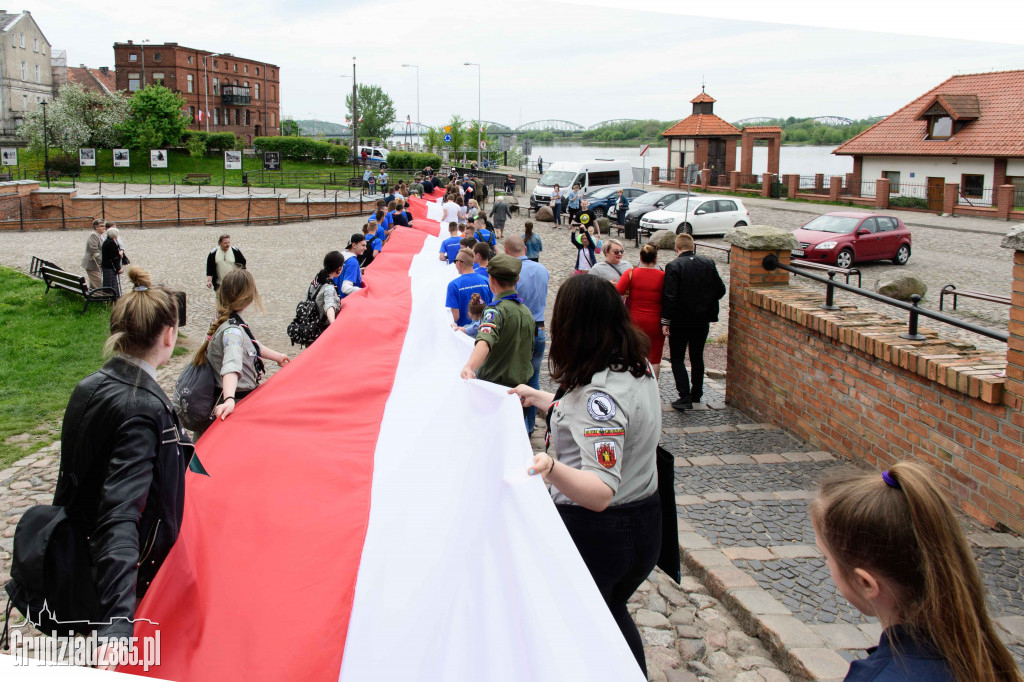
x,y
979,295
845,272
36,266
55,278
6,176
196,179
54,175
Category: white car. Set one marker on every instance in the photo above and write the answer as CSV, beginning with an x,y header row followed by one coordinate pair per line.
x,y
698,215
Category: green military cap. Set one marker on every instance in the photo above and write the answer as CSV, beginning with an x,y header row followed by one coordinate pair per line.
x,y
504,267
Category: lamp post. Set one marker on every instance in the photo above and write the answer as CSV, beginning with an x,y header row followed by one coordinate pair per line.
x,y
206,87
479,117
418,127
142,45
46,149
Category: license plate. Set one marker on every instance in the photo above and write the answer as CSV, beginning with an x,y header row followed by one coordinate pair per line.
x,y
798,252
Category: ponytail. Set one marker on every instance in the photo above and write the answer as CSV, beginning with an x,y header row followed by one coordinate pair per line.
x,y
236,292
140,316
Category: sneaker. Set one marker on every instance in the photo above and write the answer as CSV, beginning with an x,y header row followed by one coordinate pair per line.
x,y
682,405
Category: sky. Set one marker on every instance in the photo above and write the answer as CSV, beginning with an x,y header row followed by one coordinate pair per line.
x,y
579,62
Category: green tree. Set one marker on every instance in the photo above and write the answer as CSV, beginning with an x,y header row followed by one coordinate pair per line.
x,y
289,128
78,118
196,146
376,109
156,118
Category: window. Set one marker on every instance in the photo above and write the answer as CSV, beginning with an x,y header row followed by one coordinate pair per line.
x,y
940,128
133,82
157,56
273,92
158,77
726,205
216,85
245,84
257,70
22,39
972,185
234,82
192,113
215,63
257,90
133,57
603,178
236,67
24,71
870,224
894,181
24,102
37,74
190,59
238,116
188,83
707,207
247,119
216,117
35,44
886,224
245,68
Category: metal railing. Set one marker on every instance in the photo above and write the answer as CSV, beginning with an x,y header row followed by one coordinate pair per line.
x,y
716,247
832,270
981,197
493,179
868,188
771,262
951,290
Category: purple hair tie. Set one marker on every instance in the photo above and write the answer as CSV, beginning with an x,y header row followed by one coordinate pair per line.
x,y
891,481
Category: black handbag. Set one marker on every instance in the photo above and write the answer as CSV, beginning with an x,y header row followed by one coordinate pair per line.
x,y
668,560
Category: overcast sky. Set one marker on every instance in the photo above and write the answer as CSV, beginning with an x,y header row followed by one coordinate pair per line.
x,y
540,60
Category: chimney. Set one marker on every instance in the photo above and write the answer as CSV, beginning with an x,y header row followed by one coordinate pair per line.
x,y
105,70
130,42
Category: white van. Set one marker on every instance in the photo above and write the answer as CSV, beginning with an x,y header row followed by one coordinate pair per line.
x,y
375,156
587,174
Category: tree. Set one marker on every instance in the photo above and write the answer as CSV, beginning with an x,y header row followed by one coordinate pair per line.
x,y
376,109
78,118
196,146
156,119
289,128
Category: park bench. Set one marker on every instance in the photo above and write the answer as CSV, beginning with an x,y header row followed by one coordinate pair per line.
x,y
35,267
845,272
6,177
54,175
55,278
196,179
979,295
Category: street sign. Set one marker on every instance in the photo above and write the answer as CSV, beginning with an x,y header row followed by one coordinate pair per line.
x,y
483,144
527,147
447,129
644,148
447,138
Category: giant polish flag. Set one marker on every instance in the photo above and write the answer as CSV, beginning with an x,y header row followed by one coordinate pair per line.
x,y
368,516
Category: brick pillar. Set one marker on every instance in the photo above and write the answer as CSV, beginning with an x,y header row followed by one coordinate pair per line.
x,y
882,193
705,178
734,180
774,143
1002,199
835,187
746,155
655,174
730,156
852,185
819,183
949,196
998,179
858,174
792,185
766,184
1013,390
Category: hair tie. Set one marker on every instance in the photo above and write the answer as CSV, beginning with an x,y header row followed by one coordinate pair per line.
x,y
141,288
891,481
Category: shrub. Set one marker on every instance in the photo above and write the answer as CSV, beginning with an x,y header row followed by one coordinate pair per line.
x,y
65,163
295,147
220,141
908,202
413,160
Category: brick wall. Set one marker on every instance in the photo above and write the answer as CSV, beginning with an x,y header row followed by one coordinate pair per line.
x,y
844,381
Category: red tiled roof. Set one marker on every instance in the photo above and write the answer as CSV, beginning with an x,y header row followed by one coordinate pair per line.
x,y
702,97
763,129
93,79
702,125
996,100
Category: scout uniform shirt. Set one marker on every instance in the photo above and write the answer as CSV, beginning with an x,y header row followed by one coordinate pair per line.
x,y
508,328
611,427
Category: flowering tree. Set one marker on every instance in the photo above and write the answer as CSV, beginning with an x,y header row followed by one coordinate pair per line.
x,y
78,118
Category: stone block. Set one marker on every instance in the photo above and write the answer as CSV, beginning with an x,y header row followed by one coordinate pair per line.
x,y
901,286
690,540
1014,239
796,551
751,603
724,578
752,553
818,664
673,675
762,238
843,636
786,632
1012,628
663,239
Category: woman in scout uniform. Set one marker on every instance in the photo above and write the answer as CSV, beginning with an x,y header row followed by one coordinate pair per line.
x,y
603,428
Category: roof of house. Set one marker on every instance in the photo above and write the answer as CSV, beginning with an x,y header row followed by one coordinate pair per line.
x,y
991,105
763,129
703,97
7,18
702,125
93,79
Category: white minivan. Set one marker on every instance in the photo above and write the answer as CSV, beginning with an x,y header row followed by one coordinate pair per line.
x,y
587,174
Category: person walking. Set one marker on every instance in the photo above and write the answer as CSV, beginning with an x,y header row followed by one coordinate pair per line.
x,y
534,245
222,260
504,344
556,206
367,176
689,304
612,267
461,289
642,287
111,261
93,258
574,196
540,165
499,214
533,289
621,207
603,427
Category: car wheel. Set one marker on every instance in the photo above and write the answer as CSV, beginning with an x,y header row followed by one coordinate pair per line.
x,y
902,255
383,166
741,223
844,259
685,228
598,212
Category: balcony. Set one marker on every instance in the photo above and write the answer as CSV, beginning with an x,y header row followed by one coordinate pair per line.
x,y
234,94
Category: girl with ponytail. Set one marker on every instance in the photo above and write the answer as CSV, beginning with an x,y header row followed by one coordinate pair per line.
x,y
230,347
897,552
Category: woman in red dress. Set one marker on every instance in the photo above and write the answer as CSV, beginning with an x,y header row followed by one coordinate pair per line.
x,y
643,287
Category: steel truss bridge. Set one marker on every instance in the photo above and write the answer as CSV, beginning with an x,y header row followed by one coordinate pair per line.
x,y
825,120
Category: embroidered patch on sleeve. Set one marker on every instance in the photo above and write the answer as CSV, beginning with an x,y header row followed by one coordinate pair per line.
x,y
597,433
490,315
601,406
604,451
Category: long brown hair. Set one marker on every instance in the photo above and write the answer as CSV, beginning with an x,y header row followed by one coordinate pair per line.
x,y
140,316
910,536
527,230
591,331
236,292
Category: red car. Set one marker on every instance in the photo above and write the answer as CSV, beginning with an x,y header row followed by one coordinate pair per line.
x,y
844,237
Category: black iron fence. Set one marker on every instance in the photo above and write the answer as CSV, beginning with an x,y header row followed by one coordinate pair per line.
x,y
494,179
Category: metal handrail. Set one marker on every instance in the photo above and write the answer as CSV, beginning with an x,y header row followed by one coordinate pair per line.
x,y
846,272
951,290
727,249
771,262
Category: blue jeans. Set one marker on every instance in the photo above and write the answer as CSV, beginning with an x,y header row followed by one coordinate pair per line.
x,y
538,355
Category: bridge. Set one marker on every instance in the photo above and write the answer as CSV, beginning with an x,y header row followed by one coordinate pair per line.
x,y
824,120
399,128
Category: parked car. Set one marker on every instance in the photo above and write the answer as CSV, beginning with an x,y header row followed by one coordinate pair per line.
x,y
645,203
843,238
589,175
600,201
698,215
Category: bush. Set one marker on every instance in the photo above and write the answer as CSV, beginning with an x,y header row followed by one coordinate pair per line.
x,y
413,160
908,202
295,147
220,141
66,164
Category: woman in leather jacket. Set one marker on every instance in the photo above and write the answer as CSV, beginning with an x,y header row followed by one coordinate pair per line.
x,y
124,455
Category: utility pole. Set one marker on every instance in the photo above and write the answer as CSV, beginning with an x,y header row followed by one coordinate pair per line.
x,y
355,117
46,149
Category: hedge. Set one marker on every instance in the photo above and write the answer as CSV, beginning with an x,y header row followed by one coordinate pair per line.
x,y
214,141
413,160
908,202
295,147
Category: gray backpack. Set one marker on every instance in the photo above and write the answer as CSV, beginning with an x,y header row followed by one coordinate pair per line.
x,y
195,396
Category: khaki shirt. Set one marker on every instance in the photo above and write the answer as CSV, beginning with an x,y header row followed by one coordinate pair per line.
x,y
610,426
508,328
231,350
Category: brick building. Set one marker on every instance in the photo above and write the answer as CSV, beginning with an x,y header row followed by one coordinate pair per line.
x,y
223,93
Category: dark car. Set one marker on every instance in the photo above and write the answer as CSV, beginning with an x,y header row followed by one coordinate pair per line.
x,y
602,199
843,238
645,203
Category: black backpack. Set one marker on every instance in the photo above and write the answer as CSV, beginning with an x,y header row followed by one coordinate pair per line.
x,y
308,324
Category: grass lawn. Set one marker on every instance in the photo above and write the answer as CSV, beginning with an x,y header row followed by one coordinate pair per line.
x,y
46,347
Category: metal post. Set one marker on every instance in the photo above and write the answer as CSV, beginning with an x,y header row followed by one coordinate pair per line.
x,y
103,207
335,203
278,210
307,207
100,190
63,224
21,215
177,201
140,212
830,293
912,334
46,150
248,210
215,203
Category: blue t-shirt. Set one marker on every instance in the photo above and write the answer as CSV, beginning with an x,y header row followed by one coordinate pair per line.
x,y
450,248
480,270
461,290
485,235
375,243
349,272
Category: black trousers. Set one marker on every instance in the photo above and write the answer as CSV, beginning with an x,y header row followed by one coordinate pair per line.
x,y
683,339
620,547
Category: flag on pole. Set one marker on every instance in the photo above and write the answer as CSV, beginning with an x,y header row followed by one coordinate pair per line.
x,y
316,544
199,114
360,118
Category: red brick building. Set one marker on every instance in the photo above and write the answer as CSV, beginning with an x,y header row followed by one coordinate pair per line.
x,y
223,93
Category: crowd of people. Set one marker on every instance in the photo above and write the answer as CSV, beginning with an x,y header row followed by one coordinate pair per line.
x,y
892,542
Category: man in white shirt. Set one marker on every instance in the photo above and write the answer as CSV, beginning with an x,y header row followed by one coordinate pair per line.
x,y
451,214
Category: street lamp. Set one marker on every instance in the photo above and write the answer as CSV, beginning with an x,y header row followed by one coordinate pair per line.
x,y
418,127
142,45
206,86
479,117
